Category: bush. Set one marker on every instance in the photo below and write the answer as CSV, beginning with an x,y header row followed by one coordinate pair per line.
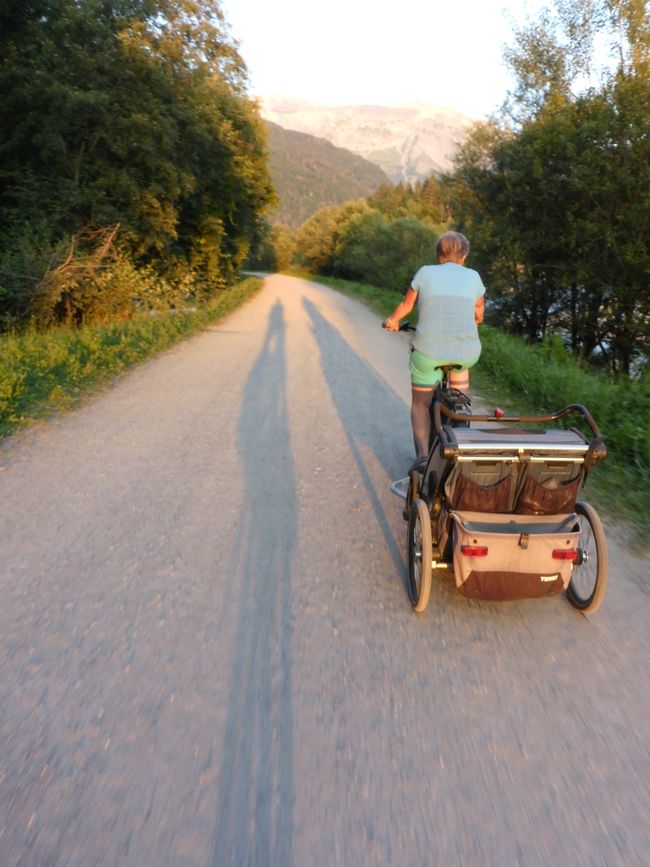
x,y
384,252
357,242
90,278
320,239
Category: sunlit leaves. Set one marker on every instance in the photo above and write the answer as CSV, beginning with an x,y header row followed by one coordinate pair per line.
x,y
559,209
131,112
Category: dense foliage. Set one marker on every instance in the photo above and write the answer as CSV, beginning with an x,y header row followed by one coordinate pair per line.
x,y
129,152
424,201
274,249
382,240
556,195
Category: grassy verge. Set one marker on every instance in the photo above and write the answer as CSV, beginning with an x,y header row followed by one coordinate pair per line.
x,y
531,380
42,371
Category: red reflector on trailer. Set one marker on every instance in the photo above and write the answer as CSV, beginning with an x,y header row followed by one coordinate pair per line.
x,y
474,550
565,554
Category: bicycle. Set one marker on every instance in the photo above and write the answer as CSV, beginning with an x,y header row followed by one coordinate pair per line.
x,y
499,505
457,408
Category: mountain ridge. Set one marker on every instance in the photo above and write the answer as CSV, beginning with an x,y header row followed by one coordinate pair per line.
x,y
309,172
408,142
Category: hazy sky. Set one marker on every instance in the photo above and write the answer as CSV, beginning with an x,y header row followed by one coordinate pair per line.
x,y
376,51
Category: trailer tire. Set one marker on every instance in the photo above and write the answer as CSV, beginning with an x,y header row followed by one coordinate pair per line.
x,y
589,577
420,555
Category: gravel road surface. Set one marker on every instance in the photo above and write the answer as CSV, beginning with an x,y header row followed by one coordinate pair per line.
x,y
207,652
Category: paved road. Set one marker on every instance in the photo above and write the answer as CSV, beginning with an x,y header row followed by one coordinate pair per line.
x,y
208,656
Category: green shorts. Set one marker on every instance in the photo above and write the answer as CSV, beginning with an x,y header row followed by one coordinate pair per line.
x,y
423,369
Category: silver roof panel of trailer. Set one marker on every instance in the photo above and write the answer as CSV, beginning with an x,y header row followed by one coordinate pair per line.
x,y
567,442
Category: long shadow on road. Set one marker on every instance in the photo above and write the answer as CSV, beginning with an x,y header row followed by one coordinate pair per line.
x,y
370,412
256,790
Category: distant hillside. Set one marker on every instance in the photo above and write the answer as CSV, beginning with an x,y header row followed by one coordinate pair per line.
x,y
309,172
408,142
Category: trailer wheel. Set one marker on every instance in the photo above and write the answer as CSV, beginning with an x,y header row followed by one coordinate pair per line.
x,y
589,577
420,555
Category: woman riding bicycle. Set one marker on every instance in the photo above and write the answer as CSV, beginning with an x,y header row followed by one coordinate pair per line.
x,y
450,301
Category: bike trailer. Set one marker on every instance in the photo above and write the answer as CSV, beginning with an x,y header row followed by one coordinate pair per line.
x,y
510,502
505,556
500,505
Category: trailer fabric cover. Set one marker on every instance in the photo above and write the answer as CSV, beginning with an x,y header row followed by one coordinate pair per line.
x,y
519,563
472,497
482,486
548,498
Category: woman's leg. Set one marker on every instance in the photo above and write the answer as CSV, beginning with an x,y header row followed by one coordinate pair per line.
x,y
460,379
420,419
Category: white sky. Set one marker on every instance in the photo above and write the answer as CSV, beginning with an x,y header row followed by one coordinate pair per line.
x,y
375,51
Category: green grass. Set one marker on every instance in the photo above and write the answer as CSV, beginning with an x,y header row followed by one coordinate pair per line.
x,y
533,380
42,371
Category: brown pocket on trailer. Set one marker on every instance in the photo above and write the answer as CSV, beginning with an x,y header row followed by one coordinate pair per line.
x,y
472,497
508,586
549,498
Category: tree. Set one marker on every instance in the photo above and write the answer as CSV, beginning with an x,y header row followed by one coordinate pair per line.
x,y
557,203
132,112
274,248
423,202
318,240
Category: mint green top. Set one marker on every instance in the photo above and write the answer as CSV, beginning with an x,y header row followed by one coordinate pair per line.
x,y
447,294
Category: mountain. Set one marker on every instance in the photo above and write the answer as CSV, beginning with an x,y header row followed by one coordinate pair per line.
x,y
408,142
309,172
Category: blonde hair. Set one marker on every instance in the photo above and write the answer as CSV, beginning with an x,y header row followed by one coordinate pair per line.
x,y
452,247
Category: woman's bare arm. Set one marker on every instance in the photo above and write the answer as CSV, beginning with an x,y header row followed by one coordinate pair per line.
x,y
403,309
479,310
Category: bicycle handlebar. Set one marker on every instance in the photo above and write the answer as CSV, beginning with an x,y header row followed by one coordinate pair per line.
x,y
405,326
